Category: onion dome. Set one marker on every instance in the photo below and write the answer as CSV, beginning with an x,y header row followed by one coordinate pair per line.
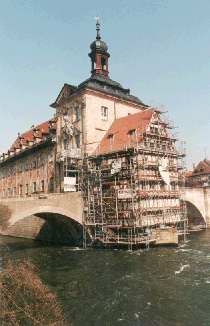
x,y
99,45
99,54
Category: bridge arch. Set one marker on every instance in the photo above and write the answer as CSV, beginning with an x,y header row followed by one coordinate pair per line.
x,y
34,216
194,214
48,223
44,210
197,201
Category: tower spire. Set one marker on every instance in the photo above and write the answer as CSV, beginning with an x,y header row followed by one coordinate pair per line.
x,y
98,25
99,54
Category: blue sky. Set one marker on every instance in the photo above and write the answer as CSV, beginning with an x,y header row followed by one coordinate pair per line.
x,y
159,49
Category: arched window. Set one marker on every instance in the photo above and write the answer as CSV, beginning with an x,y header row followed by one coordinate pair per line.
x,y
103,63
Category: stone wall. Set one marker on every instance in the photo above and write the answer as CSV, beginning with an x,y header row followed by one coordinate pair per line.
x,y
167,236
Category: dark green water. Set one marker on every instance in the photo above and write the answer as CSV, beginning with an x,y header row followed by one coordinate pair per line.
x,y
162,286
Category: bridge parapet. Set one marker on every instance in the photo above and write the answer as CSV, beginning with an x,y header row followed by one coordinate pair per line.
x,y
66,204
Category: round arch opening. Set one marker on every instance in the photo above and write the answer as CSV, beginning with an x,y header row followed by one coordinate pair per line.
x,y
195,217
49,227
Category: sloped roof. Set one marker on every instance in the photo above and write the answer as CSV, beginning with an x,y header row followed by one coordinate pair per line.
x,y
203,167
111,87
119,131
24,138
66,91
98,83
188,174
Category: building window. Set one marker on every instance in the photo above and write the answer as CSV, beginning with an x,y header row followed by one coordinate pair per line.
x,y
27,189
132,134
65,144
77,140
21,190
77,113
173,186
34,187
51,185
104,113
152,145
42,186
34,165
111,138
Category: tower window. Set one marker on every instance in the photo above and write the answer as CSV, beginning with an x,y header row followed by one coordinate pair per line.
x,y
103,63
104,113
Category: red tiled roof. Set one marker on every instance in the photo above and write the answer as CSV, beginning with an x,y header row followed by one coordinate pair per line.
x,y
27,136
203,167
120,129
188,174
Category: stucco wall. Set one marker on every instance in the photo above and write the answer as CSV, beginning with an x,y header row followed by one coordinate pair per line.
x,y
95,126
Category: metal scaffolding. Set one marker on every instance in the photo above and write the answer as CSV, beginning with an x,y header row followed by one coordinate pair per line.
x,y
128,198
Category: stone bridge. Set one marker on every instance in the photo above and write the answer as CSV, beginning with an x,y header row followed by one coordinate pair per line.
x,y
45,217
58,216
198,204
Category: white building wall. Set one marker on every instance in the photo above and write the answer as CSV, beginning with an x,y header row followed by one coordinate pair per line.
x,y
96,127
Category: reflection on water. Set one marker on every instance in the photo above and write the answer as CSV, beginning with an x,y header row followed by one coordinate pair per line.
x,y
162,286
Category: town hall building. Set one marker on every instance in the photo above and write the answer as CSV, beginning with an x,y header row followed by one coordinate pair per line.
x,y
106,143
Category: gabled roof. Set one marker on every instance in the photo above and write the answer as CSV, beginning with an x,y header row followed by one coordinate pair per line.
x,y
203,167
117,137
65,92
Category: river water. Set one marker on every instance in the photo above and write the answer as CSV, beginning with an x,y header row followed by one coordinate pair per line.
x,y
159,286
